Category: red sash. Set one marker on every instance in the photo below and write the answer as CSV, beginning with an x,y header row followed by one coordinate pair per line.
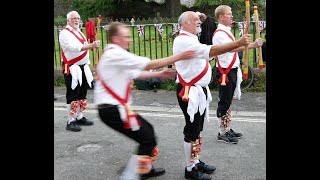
x,y
67,63
123,101
184,93
225,72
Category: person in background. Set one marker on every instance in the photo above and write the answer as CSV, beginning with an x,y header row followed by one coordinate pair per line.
x,y
208,26
76,70
112,94
193,94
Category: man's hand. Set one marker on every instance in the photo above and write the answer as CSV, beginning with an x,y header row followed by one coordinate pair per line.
x,y
168,73
244,40
202,16
95,44
257,43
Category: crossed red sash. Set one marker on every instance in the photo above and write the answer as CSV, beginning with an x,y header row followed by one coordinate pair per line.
x,y
184,93
123,101
67,63
225,72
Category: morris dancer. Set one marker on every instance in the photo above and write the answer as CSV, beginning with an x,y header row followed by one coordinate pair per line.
x,y
193,93
112,93
76,71
228,66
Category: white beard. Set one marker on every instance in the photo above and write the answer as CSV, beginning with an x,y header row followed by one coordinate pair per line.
x,y
76,27
198,29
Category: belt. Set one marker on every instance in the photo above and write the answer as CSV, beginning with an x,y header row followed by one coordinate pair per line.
x,y
231,68
103,106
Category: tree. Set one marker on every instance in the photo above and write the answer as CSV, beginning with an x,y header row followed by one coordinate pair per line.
x,y
93,8
238,7
173,8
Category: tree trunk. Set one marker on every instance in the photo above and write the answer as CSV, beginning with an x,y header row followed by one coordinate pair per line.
x,y
174,8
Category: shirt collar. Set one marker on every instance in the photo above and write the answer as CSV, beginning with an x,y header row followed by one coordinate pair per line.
x,y
223,27
114,46
188,33
71,28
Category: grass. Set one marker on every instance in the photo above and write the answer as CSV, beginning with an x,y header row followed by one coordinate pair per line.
x,y
148,45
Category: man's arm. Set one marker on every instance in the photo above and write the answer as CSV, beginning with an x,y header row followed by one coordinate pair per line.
x,y
94,44
227,47
257,43
159,63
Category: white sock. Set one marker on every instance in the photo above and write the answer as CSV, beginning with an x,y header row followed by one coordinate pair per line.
x,y
130,172
196,161
79,113
70,117
189,168
187,152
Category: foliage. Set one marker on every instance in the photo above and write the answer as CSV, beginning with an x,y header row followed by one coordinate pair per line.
x,y
238,7
93,8
168,84
58,80
60,20
259,81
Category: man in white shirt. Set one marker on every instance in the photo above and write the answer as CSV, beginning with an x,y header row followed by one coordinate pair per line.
x,y
112,94
228,64
76,71
193,93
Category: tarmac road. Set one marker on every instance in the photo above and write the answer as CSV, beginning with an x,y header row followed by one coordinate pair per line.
x,y
98,153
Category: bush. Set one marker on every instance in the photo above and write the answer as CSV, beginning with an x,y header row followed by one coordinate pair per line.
x,y
59,80
168,84
259,83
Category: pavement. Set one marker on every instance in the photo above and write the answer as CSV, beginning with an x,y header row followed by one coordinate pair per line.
x,y
98,153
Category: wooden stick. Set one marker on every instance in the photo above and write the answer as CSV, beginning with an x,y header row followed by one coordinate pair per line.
x,y
246,49
223,81
260,61
96,57
186,93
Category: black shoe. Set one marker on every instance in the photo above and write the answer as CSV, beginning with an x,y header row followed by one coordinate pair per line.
x,y
84,122
227,138
205,168
196,174
73,126
153,172
235,134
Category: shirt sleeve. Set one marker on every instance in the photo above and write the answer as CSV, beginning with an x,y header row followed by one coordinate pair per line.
x,y
67,42
187,43
220,38
129,62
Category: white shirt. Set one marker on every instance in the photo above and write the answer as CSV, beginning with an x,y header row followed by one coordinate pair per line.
x,y
225,59
220,38
116,67
189,69
71,47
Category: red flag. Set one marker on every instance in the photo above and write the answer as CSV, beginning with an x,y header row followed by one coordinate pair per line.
x,y
90,31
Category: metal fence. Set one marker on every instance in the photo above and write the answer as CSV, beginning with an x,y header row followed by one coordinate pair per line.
x,y
151,44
